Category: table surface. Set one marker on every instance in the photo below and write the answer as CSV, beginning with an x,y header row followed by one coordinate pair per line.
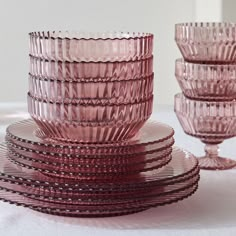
x,y
211,210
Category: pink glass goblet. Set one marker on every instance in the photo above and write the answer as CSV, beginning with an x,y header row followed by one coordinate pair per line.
x,y
215,82
211,122
208,42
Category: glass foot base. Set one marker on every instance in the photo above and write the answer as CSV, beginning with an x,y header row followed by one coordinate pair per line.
x,y
216,163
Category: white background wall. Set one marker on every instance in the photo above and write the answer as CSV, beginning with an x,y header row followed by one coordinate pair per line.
x,y
229,10
18,17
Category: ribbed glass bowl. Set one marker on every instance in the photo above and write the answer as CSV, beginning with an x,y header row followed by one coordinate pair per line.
x,y
91,71
89,123
87,47
213,82
208,42
208,120
94,93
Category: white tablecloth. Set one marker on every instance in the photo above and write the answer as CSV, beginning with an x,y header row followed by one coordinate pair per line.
x,y
210,211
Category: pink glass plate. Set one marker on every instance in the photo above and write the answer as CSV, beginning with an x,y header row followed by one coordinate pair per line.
x,y
96,192
89,123
96,164
95,160
212,122
207,42
79,46
105,195
153,135
182,164
86,211
94,198
89,172
206,81
91,71
92,93
97,200
70,155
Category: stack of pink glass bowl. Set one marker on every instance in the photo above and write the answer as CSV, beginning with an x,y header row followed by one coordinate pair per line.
x,y
90,88
207,77
88,150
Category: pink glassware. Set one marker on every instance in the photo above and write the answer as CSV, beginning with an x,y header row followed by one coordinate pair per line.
x,y
94,93
87,47
211,122
182,166
158,187
96,199
89,171
104,195
152,136
89,123
14,197
100,161
88,114
91,165
207,42
91,71
213,82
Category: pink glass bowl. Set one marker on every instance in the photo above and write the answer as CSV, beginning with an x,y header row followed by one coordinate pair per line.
x,y
211,122
88,114
88,123
89,133
87,47
94,93
91,71
207,42
206,81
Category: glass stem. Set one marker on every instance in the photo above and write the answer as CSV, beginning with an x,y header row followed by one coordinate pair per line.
x,y
212,150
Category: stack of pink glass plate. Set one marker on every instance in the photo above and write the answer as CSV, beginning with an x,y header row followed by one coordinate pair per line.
x,y
88,150
207,77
